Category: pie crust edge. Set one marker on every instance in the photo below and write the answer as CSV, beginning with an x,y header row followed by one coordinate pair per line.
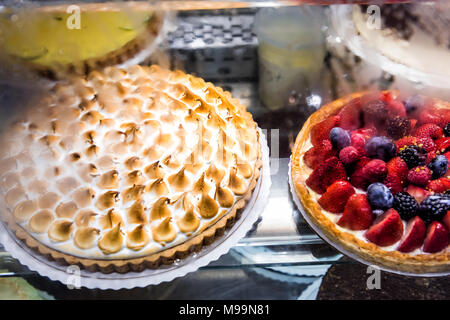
x,y
393,260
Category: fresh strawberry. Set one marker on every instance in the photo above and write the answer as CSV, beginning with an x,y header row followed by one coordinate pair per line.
x,y
436,239
414,236
357,213
386,230
443,144
430,156
393,183
367,132
413,123
396,107
439,185
429,130
445,117
321,131
350,116
418,193
430,115
375,170
325,174
336,196
349,155
446,220
405,141
318,154
420,176
397,167
357,178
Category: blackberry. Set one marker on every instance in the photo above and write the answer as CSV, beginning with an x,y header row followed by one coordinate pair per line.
x,y
434,207
413,156
406,205
375,112
398,127
447,130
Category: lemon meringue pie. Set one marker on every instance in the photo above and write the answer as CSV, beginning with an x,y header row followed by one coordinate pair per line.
x,y
128,168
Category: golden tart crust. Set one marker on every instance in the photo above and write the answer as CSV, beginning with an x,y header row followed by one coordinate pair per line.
x,y
175,162
391,260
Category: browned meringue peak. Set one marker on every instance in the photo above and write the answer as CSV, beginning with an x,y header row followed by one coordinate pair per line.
x,y
164,140
83,197
14,195
24,210
179,181
60,230
84,218
107,200
112,240
48,200
207,206
202,107
154,171
87,172
136,213
202,150
243,167
105,162
154,152
133,163
225,141
92,117
38,186
158,186
193,163
50,140
164,231
171,162
40,222
107,123
89,136
224,196
114,136
200,186
92,151
120,148
215,173
247,150
66,210
110,219
109,180
224,157
135,177
215,121
8,164
236,184
85,237
67,184
137,238
189,222
192,117
133,193
160,209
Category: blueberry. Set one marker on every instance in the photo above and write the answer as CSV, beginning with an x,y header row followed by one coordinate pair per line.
x,y
381,148
340,138
379,196
414,103
439,166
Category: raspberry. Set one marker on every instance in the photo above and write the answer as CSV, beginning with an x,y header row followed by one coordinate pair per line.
x,y
375,112
349,155
426,143
429,130
393,183
358,141
375,170
420,176
398,127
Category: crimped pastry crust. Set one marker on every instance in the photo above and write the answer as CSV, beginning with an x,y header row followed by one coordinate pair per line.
x,y
212,225
392,260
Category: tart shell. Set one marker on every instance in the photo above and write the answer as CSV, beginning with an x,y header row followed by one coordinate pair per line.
x,y
395,261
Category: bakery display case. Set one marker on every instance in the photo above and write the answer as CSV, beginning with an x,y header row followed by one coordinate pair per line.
x,y
148,146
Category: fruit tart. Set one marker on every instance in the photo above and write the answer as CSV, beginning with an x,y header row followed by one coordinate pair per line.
x,y
128,169
371,171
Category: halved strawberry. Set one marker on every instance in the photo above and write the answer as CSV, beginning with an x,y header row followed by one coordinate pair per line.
x,y
446,220
439,185
386,230
397,167
336,196
350,116
414,236
436,239
325,174
357,178
429,130
321,131
418,193
318,154
357,213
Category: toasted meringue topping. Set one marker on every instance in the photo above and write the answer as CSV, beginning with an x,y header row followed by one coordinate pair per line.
x,y
164,231
124,163
137,238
